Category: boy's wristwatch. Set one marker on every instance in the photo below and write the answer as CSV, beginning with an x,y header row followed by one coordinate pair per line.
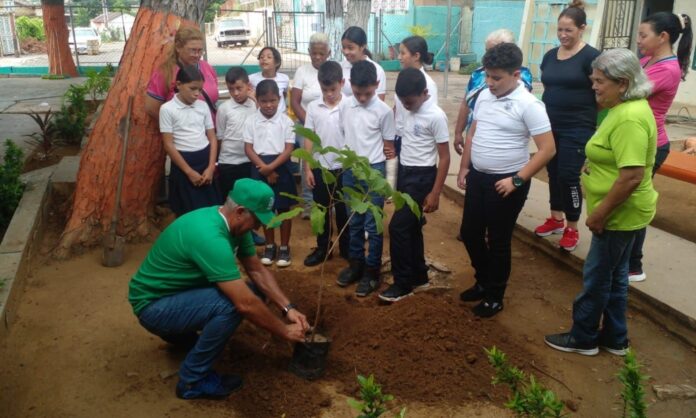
x,y
517,181
288,308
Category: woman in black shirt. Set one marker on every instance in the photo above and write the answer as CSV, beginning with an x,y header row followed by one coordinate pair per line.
x,y
570,104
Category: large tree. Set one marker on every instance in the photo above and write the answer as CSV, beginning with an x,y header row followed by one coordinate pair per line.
x,y
94,198
60,60
358,13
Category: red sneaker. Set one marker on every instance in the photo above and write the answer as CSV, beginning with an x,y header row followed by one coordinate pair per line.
x,y
551,226
570,239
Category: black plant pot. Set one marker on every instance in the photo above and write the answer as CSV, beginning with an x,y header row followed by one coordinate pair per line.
x,y
309,358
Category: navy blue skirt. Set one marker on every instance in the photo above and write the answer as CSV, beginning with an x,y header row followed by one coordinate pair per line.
x,y
285,183
183,195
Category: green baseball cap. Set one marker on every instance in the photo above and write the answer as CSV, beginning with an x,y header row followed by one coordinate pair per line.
x,y
255,196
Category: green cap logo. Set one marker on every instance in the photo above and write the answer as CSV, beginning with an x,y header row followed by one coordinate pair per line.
x,y
255,196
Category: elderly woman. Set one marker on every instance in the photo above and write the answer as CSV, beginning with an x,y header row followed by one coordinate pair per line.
x,y
620,201
305,90
187,50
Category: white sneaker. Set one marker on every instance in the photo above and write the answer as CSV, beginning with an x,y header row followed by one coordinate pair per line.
x,y
637,276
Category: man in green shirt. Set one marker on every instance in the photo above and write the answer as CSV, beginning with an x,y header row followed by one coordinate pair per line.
x,y
188,288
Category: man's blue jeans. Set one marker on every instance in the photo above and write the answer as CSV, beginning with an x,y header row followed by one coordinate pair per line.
x,y
206,310
605,291
361,223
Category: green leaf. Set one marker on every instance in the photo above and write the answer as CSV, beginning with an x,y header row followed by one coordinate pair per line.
x,y
328,176
309,134
355,404
306,156
378,214
359,206
327,150
293,197
316,219
411,204
285,216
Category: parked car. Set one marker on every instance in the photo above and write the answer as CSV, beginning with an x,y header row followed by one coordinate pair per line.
x,y
232,32
85,37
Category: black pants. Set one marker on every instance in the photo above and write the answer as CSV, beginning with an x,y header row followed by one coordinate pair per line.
x,y
487,226
322,194
565,194
406,230
228,174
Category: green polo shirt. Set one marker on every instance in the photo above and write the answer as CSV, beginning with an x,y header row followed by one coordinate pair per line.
x,y
195,251
627,137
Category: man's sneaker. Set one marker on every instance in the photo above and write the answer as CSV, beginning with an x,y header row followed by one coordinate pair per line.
x,y
212,386
487,309
316,257
258,239
472,294
566,342
636,276
283,256
615,349
369,282
395,293
551,226
569,240
269,254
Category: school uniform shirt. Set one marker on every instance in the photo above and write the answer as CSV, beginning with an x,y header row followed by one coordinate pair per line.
x,y
503,128
326,122
231,117
400,111
366,127
421,132
282,80
307,80
269,136
186,123
665,76
381,77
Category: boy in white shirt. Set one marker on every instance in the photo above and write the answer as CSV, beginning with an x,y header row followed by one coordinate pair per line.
x,y
323,117
425,138
368,126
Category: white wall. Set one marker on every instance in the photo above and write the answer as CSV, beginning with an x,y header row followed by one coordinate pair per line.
x,y
687,89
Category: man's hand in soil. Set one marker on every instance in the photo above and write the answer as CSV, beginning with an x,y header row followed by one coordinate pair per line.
x,y
295,332
296,317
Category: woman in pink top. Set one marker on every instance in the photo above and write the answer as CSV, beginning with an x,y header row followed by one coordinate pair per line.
x,y
187,50
656,36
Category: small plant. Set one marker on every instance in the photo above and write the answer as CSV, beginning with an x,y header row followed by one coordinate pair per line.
x,y
44,140
633,393
30,27
372,403
529,398
421,30
98,82
70,121
469,68
11,187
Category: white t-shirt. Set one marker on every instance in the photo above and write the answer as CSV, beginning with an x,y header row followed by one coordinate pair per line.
x,y
381,77
503,127
269,136
307,80
283,82
366,127
186,123
432,91
326,122
230,119
421,132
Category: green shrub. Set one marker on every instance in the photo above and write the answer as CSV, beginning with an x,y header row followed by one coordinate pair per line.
x,y
372,403
70,121
30,27
98,82
633,393
469,68
11,187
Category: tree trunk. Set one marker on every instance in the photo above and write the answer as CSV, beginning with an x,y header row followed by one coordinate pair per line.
x,y
94,199
334,27
60,61
358,13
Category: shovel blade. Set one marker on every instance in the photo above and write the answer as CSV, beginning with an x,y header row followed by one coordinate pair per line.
x,y
113,251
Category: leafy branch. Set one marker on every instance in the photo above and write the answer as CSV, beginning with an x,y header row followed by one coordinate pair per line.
x,y
373,402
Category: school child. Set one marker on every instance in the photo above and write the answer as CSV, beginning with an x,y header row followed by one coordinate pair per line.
x,y
323,117
354,48
269,140
189,139
270,61
233,163
368,126
425,138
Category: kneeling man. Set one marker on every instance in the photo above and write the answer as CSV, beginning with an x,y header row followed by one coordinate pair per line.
x,y
188,289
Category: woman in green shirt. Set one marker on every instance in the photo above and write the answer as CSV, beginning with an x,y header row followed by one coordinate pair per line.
x,y
620,201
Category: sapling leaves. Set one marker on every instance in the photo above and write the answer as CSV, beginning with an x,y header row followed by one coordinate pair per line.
x,y
286,215
307,156
309,134
316,219
328,177
293,197
378,214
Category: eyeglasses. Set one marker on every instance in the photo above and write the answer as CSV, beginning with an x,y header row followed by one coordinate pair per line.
x,y
194,51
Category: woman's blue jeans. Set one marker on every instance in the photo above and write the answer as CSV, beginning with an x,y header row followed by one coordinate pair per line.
x,y
182,315
604,296
361,223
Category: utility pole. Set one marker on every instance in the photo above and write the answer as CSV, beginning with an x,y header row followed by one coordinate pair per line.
x,y
105,11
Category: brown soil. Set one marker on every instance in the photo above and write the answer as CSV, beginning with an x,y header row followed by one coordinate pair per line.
x,y
77,350
38,159
33,46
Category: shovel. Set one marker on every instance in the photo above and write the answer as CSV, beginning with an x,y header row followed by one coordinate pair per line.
x,y
113,244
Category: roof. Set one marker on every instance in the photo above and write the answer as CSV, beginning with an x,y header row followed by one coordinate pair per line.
x,y
112,16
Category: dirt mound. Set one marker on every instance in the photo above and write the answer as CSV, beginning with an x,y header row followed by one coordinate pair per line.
x,y
33,46
428,349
